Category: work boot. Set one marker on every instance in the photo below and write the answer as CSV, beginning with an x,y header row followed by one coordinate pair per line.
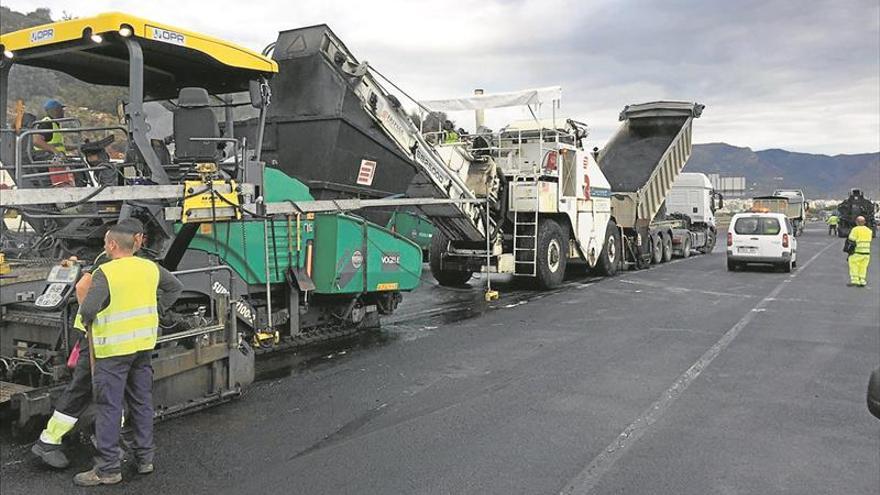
x,y
50,454
92,478
145,468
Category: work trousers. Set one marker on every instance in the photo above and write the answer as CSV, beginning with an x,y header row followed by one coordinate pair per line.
x,y
129,379
858,268
74,400
832,230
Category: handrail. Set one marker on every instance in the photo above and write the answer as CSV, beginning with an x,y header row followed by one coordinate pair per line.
x,y
21,138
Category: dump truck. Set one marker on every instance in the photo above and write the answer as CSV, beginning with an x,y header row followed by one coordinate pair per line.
x,y
542,199
796,209
770,204
254,280
854,206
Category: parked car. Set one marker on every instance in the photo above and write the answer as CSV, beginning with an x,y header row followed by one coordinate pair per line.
x,y
766,238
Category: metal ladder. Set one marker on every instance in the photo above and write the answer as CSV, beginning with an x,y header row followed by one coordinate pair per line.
x,y
525,235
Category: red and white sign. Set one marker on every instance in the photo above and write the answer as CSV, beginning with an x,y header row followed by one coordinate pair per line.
x,y
366,173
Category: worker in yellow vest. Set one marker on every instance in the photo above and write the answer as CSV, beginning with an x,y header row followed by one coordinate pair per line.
x,y
121,310
832,222
50,146
449,134
858,260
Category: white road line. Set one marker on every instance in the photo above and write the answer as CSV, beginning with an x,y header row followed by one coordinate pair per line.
x,y
587,479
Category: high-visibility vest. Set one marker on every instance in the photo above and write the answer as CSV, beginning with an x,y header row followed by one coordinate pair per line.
x,y
63,177
832,220
57,140
861,235
130,323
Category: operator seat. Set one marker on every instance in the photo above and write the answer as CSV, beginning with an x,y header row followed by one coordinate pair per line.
x,y
193,118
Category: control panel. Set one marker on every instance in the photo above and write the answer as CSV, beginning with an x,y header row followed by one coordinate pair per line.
x,y
59,285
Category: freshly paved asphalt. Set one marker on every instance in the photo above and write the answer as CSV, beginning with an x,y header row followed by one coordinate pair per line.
x,y
681,379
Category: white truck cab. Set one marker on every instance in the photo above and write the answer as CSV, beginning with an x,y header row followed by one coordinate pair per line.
x,y
692,195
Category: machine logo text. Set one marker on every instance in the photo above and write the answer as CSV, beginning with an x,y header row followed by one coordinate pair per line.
x,y
166,36
41,35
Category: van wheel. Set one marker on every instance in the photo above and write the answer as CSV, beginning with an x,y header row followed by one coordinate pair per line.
x,y
446,278
667,247
609,260
732,265
552,255
786,267
657,249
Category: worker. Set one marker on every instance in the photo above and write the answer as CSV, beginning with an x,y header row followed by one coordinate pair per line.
x,y
76,396
832,222
50,146
858,260
449,134
121,310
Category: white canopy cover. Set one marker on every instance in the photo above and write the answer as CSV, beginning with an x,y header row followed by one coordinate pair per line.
x,y
496,100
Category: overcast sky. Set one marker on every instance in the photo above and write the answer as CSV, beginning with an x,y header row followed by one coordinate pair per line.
x,y
800,75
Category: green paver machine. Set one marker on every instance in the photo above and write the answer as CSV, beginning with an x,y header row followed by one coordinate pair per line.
x,y
255,279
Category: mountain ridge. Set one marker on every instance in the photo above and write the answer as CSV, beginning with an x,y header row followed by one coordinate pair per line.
x,y
820,176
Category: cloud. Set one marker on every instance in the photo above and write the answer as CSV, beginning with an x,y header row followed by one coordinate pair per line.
x,y
774,74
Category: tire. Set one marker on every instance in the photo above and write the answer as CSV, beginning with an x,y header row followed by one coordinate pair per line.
x,y
446,278
667,247
657,249
609,260
711,238
787,266
552,255
686,248
732,266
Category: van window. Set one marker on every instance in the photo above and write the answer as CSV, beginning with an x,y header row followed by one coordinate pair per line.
x,y
757,226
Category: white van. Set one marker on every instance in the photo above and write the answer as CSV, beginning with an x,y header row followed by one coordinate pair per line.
x,y
761,238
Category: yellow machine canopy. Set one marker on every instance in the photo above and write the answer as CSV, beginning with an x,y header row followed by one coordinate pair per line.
x,y
94,50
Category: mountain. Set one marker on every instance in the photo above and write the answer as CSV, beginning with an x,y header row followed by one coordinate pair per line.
x,y
820,176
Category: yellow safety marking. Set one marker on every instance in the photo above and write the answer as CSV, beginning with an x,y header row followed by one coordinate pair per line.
x,y
111,22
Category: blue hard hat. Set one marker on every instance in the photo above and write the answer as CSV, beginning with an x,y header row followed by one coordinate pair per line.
x,y
50,104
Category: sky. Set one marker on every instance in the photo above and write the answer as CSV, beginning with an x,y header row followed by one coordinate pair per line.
x,y
798,75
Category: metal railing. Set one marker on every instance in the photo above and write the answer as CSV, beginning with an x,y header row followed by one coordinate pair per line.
x,y
22,139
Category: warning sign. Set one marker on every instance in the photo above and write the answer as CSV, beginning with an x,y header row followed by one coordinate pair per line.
x,y
366,173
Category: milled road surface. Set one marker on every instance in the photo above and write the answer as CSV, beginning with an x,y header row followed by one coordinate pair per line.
x,y
682,379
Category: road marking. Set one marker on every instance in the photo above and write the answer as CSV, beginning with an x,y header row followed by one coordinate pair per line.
x,y
587,479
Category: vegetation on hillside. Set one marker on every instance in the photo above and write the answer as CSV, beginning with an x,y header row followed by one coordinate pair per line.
x,y
93,105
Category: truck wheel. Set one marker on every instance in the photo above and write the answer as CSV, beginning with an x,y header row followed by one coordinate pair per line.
x,y
667,247
686,247
447,278
657,249
552,255
609,260
710,243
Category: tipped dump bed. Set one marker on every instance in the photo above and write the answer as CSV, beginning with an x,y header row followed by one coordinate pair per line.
x,y
648,130
645,156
